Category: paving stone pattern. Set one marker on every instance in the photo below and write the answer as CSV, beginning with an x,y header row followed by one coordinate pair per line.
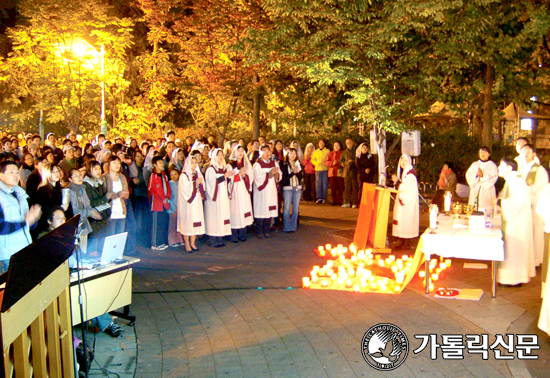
x,y
238,311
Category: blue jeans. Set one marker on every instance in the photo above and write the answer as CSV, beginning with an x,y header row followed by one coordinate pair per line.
x,y
116,226
291,197
103,321
322,184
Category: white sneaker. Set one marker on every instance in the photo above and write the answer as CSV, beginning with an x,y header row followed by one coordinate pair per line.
x,y
162,247
346,205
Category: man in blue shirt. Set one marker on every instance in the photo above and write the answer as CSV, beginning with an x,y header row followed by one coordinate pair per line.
x,y
15,215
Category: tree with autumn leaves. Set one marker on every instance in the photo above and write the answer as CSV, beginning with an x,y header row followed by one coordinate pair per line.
x,y
312,65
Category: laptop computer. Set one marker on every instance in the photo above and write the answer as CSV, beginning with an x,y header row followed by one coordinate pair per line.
x,y
112,249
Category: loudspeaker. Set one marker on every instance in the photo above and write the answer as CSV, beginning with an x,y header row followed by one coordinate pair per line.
x,y
410,143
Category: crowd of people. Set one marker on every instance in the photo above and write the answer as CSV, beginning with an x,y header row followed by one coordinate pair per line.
x,y
166,193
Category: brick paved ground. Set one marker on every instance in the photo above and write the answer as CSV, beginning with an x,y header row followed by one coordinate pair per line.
x,y
204,315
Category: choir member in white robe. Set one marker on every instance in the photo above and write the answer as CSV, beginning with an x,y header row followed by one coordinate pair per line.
x,y
406,209
482,176
536,178
266,175
218,218
191,195
240,187
518,266
543,209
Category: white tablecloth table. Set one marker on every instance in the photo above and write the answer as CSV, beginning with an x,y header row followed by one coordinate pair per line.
x,y
449,241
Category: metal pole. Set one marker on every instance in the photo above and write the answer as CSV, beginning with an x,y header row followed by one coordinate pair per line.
x,y
41,128
103,122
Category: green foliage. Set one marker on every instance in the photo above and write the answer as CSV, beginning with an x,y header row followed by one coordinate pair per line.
x,y
454,146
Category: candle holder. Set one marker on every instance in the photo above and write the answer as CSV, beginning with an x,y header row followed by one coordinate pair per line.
x,y
468,210
457,209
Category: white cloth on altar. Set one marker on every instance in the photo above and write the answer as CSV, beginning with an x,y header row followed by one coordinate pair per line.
x,y
485,185
519,259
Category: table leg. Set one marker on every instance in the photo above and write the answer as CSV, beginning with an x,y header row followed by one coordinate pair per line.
x,y
494,276
427,270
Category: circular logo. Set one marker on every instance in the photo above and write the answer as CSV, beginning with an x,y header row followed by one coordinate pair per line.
x,y
385,347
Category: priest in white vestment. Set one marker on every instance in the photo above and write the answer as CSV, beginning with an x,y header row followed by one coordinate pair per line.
x,y
481,177
543,209
518,266
240,187
536,178
191,195
406,209
520,159
266,175
216,206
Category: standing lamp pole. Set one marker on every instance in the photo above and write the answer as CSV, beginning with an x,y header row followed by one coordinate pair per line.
x,y
41,127
103,122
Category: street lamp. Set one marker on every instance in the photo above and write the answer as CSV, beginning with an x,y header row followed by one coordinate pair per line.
x,y
81,48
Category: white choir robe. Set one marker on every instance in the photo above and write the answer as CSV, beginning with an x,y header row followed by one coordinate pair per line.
x,y
485,185
535,189
190,214
543,209
518,265
240,203
218,218
406,209
265,189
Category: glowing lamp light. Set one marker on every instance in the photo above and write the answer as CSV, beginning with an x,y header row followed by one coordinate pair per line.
x,y
320,248
334,277
340,280
392,257
305,282
328,247
442,266
404,257
353,259
397,288
373,285
330,263
351,272
349,283
356,288
352,248
345,250
324,283
342,258
322,253
448,263
333,252
435,276
394,269
422,274
431,287
361,256
381,263
314,279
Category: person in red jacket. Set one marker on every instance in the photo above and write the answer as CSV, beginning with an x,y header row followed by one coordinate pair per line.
x,y
159,194
335,171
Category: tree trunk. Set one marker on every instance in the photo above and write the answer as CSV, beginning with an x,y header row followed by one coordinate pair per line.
x,y
477,121
488,107
256,112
